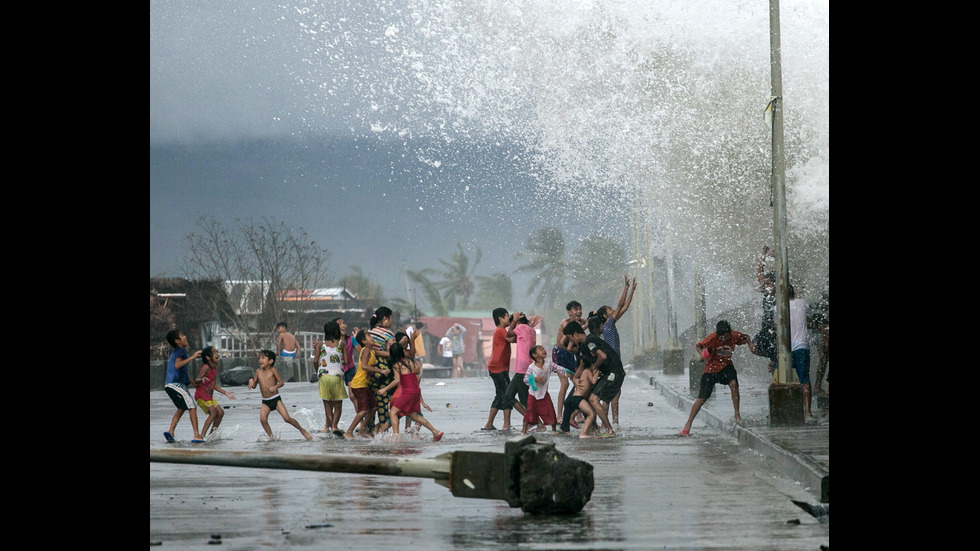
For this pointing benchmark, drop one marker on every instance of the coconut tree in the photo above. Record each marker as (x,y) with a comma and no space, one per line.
(457,280)
(495,290)
(430,290)
(548,263)
(601,281)
(361,285)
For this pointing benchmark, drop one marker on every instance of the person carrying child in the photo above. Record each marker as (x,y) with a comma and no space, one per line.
(540,409)
(269,381)
(409,401)
(176,385)
(207,383)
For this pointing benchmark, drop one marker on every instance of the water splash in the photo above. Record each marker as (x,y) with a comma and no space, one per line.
(656,108)
(309,419)
(223,433)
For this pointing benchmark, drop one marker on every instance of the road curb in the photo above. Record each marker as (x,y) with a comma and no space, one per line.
(794,465)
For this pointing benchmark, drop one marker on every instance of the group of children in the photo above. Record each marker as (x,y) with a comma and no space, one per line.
(382,384)
(378,371)
(589,366)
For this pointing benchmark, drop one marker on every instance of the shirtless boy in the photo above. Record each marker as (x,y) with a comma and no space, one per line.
(286,343)
(582,383)
(269,382)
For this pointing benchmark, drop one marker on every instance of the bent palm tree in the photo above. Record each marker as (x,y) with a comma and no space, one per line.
(549,265)
(457,279)
(602,281)
(497,289)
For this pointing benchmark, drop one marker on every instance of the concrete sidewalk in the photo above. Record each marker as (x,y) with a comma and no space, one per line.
(800,452)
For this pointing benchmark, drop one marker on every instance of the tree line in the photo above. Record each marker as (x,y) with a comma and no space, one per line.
(279,260)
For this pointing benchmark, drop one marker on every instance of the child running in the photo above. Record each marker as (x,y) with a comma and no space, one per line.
(207,383)
(540,409)
(364,400)
(176,385)
(269,382)
(409,400)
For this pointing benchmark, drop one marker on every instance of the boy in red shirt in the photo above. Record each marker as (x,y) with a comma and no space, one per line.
(717,349)
(499,368)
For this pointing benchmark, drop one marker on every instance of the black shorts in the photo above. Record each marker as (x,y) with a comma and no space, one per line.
(500,383)
(516,388)
(272,403)
(608,386)
(723,377)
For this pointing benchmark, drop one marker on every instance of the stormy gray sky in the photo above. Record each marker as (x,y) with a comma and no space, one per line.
(480,123)
(264,109)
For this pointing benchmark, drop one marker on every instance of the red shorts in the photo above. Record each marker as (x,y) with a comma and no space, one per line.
(543,410)
(364,399)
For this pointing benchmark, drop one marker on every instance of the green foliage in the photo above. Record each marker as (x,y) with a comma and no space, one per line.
(549,264)
(495,290)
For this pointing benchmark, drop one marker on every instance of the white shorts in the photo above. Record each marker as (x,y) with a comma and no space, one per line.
(180,396)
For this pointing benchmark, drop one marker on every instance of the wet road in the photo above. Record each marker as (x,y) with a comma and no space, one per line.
(653,489)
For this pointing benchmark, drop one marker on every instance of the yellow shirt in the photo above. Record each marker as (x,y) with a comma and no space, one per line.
(362,376)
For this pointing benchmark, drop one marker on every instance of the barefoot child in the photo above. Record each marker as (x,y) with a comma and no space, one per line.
(361,392)
(269,382)
(409,400)
(717,349)
(176,385)
(330,376)
(207,383)
(582,383)
(540,409)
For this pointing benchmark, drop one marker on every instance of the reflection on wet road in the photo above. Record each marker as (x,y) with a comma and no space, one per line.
(653,489)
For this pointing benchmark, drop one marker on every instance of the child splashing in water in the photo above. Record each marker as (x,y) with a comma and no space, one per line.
(409,401)
(207,383)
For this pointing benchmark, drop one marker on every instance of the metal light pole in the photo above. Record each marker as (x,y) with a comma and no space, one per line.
(784,401)
(533,476)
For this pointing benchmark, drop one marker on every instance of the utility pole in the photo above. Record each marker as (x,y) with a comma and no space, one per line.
(785,400)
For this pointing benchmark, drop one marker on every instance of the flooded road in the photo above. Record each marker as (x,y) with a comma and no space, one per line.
(653,489)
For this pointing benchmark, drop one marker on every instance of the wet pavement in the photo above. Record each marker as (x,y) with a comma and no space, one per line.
(718,488)
(801,452)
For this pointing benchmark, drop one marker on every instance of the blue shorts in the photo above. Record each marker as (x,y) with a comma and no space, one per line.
(801,363)
(288,354)
(567,360)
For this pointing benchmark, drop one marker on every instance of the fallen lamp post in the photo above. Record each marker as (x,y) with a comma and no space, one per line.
(533,476)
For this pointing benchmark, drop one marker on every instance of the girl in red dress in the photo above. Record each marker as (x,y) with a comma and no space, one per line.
(409,401)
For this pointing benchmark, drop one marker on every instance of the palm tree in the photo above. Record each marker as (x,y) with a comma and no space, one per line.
(429,289)
(457,279)
(602,280)
(495,290)
(361,285)
(548,263)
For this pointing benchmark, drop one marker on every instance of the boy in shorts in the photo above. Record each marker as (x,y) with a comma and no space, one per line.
(176,385)
(602,356)
(582,383)
(269,382)
(716,349)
